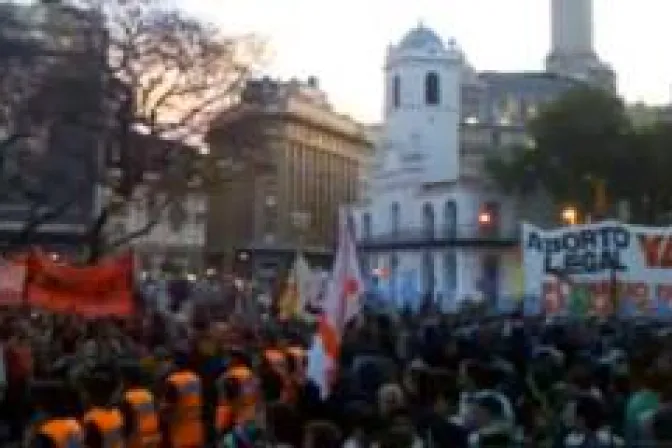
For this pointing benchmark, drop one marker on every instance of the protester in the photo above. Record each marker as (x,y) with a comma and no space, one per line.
(423,380)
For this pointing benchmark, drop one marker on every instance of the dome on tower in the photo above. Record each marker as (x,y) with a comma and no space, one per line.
(420,38)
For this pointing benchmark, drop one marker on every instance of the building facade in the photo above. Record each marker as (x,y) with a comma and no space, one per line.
(171,240)
(298,162)
(156,194)
(431,223)
(434,223)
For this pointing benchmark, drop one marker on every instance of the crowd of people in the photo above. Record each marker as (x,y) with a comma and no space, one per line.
(403,380)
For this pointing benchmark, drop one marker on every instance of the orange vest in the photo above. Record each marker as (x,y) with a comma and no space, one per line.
(243,408)
(146,420)
(187,429)
(278,361)
(110,424)
(298,356)
(62,432)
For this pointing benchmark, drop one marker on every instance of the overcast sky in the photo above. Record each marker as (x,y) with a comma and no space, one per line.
(343,42)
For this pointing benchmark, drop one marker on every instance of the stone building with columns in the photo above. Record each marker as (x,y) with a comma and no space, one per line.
(308,161)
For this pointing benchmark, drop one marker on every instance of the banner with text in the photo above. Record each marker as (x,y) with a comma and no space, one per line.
(599,268)
(100,290)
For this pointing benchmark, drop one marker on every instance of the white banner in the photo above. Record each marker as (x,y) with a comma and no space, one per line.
(608,258)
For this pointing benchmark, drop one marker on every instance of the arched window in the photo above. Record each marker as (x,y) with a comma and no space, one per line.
(450,219)
(490,280)
(393,276)
(428,220)
(350,223)
(432,89)
(366,226)
(450,273)
(395,217)
(428,273)
(365,266)
(396,91)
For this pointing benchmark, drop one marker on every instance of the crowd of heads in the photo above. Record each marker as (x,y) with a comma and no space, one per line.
(402,380)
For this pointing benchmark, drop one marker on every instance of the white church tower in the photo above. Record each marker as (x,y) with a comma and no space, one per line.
(429,229)
(422,111)
(572,44)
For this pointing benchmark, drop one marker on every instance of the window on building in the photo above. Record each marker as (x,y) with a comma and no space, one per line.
(365,265)
(396,91)
(394,275)
(450,219)
(450,273)
(395,217)
(428,273)
(366,226)
(177,217)
(432,89)
(490,280)
(428,220)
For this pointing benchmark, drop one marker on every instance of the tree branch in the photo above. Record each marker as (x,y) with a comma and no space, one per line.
(36,220)
(144,230)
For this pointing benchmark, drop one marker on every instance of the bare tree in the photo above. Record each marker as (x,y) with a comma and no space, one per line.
(162,77)
(178,73)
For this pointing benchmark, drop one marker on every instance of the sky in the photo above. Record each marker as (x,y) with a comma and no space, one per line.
(343,42)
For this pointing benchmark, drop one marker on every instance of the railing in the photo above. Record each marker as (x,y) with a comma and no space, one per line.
(445,235)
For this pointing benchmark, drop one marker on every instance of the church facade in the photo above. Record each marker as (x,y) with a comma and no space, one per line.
(433,226)
(433,223)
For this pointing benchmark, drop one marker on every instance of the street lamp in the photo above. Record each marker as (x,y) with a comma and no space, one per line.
(484,218)
(570,216)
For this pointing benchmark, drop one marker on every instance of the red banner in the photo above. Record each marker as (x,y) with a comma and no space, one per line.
(92,291)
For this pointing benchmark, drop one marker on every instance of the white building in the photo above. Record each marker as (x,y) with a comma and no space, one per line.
(169,237)
(431,224)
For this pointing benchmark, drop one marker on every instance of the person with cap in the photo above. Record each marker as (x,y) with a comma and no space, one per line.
(54,423)
(182,406)
(141,421)
(103,422)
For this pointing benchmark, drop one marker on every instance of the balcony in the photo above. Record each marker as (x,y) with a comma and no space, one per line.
(460,236)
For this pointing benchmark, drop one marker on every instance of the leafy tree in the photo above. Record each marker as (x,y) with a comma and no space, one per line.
(158,79)
(577,142)
(643,173)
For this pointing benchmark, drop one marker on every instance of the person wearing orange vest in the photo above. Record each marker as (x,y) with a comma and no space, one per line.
(141,420)
(274,376)
(296,370)
(103,423)
(236,418)
(237,399)
(182,408)
(55,427)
